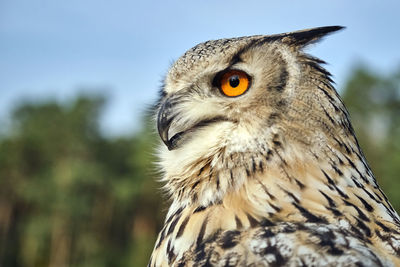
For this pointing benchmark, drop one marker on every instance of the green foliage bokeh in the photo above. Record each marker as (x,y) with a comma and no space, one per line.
(69,196)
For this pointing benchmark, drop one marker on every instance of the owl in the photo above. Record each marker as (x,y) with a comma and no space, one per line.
(262,164)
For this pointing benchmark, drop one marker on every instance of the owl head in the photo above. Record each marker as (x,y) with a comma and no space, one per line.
(228,98)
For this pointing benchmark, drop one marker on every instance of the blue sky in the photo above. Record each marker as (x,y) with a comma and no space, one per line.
(55,49)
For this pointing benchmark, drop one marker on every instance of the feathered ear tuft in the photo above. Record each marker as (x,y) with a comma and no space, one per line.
(308,36)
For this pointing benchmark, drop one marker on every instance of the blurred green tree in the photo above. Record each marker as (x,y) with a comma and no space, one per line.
(69,196)
(373,101)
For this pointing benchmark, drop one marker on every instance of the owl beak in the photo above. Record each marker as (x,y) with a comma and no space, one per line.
(166,116)
(164,120)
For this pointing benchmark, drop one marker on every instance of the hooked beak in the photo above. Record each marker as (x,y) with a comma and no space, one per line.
(164,120)
(166,117)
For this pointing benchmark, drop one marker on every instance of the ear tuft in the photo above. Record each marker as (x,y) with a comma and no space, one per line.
(308,36)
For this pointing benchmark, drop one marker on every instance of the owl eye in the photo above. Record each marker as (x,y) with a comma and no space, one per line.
(234,83)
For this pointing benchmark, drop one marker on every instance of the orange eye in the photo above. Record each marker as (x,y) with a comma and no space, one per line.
(234,83)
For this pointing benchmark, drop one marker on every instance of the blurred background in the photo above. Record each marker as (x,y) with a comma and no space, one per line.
(77,182)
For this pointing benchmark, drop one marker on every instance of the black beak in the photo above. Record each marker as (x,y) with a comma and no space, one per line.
(166,115)
(164,120)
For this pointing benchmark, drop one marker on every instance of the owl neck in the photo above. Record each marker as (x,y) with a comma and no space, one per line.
(286,181)
(328,182)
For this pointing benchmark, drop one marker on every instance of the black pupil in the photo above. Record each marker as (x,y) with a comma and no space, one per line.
(234,81)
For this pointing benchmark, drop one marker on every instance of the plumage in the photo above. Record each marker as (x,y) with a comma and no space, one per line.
(272,176)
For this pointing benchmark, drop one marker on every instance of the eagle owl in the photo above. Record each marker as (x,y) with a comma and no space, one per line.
(262,163)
